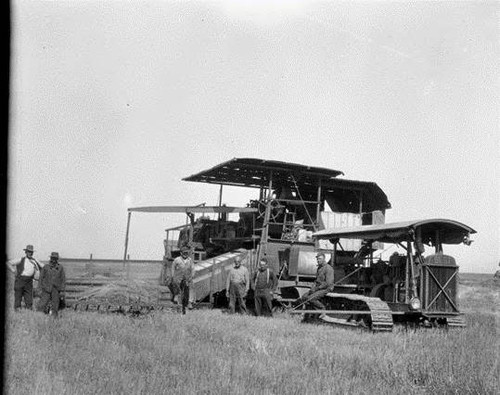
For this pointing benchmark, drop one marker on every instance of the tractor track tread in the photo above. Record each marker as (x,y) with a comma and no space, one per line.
(381,315)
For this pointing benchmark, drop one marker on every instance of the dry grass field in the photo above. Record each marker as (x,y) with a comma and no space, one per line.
(211,352)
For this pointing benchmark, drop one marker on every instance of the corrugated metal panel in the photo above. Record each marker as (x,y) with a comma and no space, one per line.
(341,220)
(378,217)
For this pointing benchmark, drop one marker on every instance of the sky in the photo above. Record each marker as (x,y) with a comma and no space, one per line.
(114,102)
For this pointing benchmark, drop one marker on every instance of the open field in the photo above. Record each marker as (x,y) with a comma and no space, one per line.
(210,352)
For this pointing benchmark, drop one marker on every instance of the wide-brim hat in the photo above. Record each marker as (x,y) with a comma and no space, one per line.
(29,248)
(54,255)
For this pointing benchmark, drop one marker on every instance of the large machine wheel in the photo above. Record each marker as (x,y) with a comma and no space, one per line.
(276,210)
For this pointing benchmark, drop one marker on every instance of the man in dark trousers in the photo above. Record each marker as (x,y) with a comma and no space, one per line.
(52,284)
(321,286)
(237,285)
(265,283)
(26,269)
(182,277)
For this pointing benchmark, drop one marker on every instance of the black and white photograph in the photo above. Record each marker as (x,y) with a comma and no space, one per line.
(252,197)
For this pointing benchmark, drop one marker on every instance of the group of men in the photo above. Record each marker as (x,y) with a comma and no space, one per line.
(179,278)
(51,281)
(264,283)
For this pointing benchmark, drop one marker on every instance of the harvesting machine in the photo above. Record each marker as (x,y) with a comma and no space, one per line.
(295,212)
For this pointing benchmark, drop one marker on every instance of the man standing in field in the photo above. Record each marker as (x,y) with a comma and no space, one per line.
(26,269)
(237,285)
(182,277)
(53,285)
(265,283)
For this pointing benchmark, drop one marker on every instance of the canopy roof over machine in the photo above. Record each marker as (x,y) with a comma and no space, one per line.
(342,195)
(433,231)
(193,209)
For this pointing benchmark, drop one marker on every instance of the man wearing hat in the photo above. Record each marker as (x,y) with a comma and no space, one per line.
(26,269)
(264,285)
(322,284)
(182,278)
(53,284)
(237,286)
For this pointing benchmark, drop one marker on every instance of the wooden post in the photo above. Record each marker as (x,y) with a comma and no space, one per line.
(318,208)
(407,273)
(334,256)
(126,240)
(267,216)
(371,254)
(438,246)
(125,255)
(167,245)
(212,278)
(190,241)
(220,202)
(361,206)
(412,271)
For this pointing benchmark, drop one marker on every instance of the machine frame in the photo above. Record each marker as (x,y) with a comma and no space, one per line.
(424,289)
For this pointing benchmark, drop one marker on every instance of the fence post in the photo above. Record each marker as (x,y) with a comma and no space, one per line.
(211,298)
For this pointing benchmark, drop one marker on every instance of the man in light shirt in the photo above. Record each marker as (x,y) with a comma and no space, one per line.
(182,278)
(237,286)
(26,269)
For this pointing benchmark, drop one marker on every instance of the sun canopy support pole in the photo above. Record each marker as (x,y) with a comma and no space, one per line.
(438,246)
(334,252)
(361,205)
(412,271)
(318,208)
(220,201)
(126,239)
(125,261)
